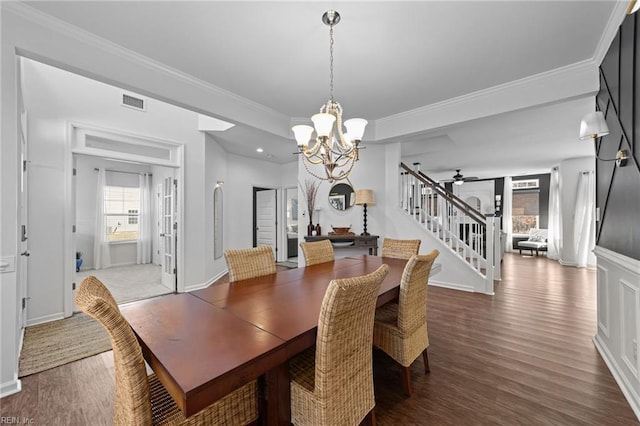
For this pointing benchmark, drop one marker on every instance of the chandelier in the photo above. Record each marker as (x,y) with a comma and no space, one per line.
(336,150)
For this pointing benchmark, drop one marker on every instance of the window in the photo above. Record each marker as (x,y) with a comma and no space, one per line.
(122,212)
(525,206)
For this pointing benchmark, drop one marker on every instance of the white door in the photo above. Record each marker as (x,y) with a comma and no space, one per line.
(168,235)
(24,216)
(158,249)
(266,219)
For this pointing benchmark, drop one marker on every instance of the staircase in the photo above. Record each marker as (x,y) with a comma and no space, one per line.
(472,236)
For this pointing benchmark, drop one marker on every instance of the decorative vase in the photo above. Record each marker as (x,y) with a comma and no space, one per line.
(310,229)
(318,229)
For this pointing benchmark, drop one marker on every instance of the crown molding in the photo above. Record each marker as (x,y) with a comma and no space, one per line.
(515,84)
(57,25)
(610,30)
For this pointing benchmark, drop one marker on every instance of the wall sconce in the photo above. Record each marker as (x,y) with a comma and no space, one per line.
(593,125)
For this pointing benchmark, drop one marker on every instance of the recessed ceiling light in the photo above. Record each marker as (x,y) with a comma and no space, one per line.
(259,150)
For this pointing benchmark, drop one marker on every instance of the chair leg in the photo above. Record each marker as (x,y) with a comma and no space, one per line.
(406,380)
(425,358)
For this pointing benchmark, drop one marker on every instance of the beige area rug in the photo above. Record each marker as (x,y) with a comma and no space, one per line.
(129,283)
(60,342)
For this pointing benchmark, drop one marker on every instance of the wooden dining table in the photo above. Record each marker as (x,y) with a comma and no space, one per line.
(204,344)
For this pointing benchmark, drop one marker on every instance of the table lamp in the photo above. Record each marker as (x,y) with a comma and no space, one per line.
(365,197)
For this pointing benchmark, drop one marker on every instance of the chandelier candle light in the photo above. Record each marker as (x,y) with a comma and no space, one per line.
(336,150)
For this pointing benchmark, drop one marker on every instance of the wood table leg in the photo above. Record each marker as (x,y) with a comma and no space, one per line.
(278,396)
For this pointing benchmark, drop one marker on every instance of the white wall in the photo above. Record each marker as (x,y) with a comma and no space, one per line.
(483,190)
(366,174)
(217,169)
(242,175)
(10,322)
(569,171)
(77,99)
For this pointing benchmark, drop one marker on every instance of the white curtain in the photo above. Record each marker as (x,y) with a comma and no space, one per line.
(101,249)
(554,236)
(144,221)
(507,212)
(584,226)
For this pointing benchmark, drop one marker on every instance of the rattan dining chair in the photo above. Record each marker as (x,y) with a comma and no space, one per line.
(142,399)
(400,249)
(317,252)
(250,263)
(332,383)
(400,329)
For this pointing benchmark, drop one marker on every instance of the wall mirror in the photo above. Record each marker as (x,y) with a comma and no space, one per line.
(341,196)
(217,222)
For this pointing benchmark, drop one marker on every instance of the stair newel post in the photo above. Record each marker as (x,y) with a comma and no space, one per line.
(490,264)
(497,249)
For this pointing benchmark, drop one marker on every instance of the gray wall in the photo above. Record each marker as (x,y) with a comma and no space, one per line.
(618,189)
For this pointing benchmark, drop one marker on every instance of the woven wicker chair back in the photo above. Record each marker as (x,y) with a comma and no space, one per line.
(412,303)
(94,286)
(400,249)
(317,252)
(344,374)
(132,404)
(250,263)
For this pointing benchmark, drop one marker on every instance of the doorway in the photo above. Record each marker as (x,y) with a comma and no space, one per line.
(265,223)
(136,258)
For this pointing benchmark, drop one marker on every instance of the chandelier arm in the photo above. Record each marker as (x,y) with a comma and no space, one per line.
(347,153)
(313,150)
(315,160)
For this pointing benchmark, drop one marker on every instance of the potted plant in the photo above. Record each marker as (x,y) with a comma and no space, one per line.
(78,260)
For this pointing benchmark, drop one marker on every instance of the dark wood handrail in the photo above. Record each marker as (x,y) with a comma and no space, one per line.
(456,201)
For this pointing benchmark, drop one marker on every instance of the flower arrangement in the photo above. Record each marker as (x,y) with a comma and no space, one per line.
(310,191)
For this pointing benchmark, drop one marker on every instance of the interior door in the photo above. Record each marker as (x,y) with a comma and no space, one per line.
(168,235)
(266,224)
(157,237)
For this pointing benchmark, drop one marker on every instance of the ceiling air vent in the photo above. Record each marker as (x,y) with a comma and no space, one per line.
(134,102)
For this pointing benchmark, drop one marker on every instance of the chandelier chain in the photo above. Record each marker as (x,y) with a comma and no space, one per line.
(331,61)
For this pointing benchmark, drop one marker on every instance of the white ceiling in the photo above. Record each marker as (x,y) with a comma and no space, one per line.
(390,58)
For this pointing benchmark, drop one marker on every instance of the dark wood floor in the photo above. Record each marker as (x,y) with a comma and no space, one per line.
(522,357)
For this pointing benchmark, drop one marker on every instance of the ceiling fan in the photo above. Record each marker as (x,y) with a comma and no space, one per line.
(459,179)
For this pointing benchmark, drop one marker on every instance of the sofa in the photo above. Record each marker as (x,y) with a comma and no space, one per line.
(537,241)
(292,240)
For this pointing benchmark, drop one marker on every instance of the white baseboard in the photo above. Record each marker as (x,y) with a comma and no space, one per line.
(9,388)
(453,286)
(45,318)
(206,283)
(626,388)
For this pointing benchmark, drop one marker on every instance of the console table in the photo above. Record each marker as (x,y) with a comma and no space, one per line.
(359,241)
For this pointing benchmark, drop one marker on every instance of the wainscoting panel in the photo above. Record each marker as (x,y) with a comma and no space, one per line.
(628,317)
(604,315)
(618,332)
